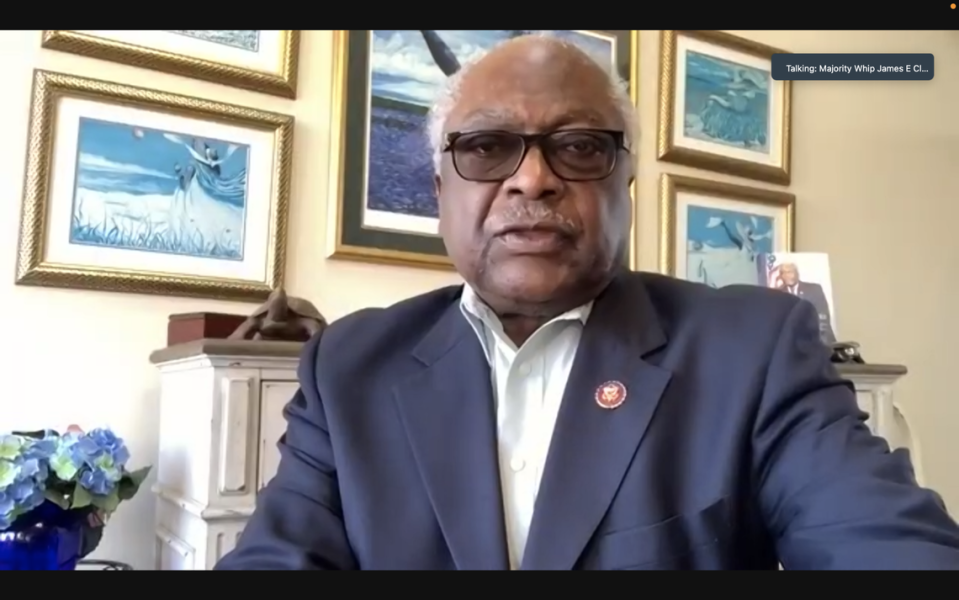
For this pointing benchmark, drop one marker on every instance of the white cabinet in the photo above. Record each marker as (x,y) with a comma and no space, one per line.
(221,414)
(221,406)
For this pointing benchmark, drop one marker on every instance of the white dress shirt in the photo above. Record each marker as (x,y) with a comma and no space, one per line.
(528,384)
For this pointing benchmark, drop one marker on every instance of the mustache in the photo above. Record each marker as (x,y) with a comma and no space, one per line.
(533,216)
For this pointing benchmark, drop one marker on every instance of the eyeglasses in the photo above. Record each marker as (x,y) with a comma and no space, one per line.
(572,154)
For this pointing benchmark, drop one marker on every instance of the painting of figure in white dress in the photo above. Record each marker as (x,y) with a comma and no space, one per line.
(145,189)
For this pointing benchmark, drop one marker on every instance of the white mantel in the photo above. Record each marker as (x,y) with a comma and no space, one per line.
(221,415)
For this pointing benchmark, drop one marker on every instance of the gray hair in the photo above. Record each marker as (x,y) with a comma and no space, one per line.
(449,93)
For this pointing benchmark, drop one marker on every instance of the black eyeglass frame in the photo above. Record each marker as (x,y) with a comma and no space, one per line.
(533,139)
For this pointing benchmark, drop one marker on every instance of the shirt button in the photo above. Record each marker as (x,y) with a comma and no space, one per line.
(517,464)
(524,369)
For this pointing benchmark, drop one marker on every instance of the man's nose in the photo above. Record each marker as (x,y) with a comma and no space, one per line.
(534,179)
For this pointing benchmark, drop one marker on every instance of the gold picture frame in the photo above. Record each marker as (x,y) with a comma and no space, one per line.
(740,57)
(50,255)
(280,80)
(768,214)
(357,238)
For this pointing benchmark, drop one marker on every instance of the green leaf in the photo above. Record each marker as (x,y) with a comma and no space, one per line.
(81,497)
(139,475)
(107,503)
(58,498)
(130,484)
(126,490)
(37,435)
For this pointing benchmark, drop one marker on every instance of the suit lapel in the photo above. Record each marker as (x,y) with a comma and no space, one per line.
(591,446)
(449,415)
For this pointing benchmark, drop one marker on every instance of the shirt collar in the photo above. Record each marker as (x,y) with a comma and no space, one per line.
(474,308)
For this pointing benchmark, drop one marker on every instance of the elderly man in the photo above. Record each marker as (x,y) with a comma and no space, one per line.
(810,292)
(559,412)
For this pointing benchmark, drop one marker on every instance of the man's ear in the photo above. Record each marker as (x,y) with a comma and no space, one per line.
(437,185)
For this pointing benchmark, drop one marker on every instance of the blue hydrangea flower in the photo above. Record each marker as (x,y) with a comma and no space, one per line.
(97,481)
(95,459)
(104,443)
(43,448)
(7,507)
(8,473)
(67,459)
(22,476)
(10,446)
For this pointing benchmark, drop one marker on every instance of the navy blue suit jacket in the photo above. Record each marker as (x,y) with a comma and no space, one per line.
(738,446)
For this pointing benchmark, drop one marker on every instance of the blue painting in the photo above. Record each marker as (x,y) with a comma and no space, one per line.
(244,39)
(723,246)
(727,103)
(407,69)
(144,189)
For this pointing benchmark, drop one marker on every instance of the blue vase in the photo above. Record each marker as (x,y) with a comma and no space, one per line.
(39,546)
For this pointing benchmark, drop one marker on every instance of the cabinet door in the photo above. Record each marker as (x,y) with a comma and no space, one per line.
(274,395)
(867,404)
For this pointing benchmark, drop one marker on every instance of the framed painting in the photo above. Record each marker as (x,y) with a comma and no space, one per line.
(715,233)
(719,107)
(133,190)
(384,83)
(252,59)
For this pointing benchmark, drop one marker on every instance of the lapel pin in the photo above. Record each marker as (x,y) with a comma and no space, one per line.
(611,394)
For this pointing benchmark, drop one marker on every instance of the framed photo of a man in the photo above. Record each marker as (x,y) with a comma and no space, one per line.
(805,274)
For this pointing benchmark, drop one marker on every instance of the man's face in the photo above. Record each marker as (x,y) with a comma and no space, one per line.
(534,237)
(790,274)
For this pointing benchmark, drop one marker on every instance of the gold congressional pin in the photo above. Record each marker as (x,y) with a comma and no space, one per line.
(611,394)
